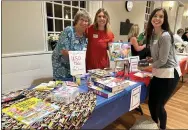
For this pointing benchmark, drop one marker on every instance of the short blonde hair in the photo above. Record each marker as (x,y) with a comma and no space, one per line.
(107,26)
(83,14)
(134,31)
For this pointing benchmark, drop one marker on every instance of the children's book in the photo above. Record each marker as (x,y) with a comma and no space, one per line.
(104,93)
(65,94)
(119,50)
(99,73)
(111,84)
(12,96)
(30,110)
(72,84)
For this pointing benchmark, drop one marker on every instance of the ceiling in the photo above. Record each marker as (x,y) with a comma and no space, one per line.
(184,1)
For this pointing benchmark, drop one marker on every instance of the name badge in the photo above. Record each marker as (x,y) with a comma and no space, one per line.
(95,35)
(155,42)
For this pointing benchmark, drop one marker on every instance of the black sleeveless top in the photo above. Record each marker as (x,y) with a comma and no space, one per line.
(133,51)
(142,54)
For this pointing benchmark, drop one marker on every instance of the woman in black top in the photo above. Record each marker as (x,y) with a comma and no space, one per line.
(136,50)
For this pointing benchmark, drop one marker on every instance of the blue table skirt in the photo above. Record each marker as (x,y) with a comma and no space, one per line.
(108,110)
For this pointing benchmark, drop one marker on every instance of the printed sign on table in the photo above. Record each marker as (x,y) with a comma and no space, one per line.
(77,62)
(133,60)
(135,98)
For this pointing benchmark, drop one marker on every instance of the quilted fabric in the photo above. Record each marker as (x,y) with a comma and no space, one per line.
(70,116)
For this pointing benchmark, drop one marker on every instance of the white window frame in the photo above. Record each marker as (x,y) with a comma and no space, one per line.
(63,19)
(150,7)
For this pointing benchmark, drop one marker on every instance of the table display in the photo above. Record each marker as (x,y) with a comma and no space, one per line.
(70,116)
(75,115)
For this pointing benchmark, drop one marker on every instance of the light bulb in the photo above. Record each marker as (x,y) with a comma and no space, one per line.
(171,4)
(66,16)
(186,14)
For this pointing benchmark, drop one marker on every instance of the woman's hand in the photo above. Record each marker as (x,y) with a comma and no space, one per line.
(65,52)
(149,59)
(135,44)
(145,68)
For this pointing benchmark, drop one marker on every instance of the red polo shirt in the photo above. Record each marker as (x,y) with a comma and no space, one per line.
(96,54)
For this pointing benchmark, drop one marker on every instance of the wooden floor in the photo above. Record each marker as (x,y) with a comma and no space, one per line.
(177,111)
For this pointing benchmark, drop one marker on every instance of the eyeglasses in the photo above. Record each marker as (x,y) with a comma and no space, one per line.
(84,20)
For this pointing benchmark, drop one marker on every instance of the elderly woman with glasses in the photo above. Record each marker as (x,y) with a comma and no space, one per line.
(71,39)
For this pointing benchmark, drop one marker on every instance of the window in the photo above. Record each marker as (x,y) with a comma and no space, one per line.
(149,9)
(60,14)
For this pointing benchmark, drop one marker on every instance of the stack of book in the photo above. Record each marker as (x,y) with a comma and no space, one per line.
(99,73)
(109,86)
(96,74)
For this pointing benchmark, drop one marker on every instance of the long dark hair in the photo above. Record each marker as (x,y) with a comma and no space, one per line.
(165,26)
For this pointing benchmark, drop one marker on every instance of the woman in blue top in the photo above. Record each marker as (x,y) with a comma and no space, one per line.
(71,39)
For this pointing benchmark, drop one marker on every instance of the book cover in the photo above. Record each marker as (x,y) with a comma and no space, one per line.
(30,110)
(99,73)
(43,87)
(104,93)
(111,84)
(119,50)
(69,83)
(12,96)
(66,90)
(65,94)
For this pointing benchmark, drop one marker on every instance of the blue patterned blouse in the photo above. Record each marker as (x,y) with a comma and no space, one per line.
(68,41)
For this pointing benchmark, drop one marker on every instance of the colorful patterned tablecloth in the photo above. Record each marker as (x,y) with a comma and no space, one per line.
(106,110)
(70,116)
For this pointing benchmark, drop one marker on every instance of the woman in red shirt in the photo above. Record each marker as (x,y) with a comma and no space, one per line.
(99,36)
